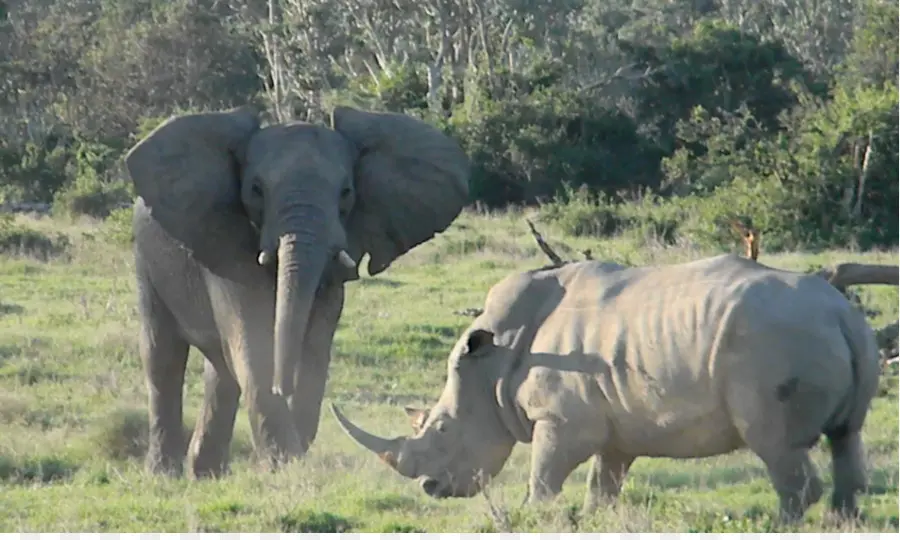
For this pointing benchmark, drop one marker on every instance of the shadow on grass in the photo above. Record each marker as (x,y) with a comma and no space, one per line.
(124,435)
(389,501)
(11,309)
(379,282)
(22,241)
(41,469)
(305,521)
(30,374)
(882,482)
(9,351)
(712,478)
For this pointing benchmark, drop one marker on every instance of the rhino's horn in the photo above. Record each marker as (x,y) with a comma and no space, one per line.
(386,449)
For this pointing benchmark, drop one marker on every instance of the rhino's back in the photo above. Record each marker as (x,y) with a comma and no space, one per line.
(649,348)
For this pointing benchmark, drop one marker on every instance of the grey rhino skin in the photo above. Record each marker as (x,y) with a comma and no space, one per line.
(681,361)
(244,238)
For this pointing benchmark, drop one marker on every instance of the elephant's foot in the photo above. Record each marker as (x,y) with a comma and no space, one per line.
(206,460)
(275,436)
(162,463)
(305,415)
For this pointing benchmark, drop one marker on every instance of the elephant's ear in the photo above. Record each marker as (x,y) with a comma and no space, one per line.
(412,181)
(187,171)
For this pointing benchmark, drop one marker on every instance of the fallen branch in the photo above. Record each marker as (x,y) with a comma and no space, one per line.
(548,251)
(843,275)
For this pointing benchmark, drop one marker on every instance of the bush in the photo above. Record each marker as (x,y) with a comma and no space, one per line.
(91,197)
(17,239)
(582,213)
(124,434)
(34,171)
(117,227)
(528,148)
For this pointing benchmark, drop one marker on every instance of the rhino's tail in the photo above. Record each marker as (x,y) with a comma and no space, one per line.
(864,362)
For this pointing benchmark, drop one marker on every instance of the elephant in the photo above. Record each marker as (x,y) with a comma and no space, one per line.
(244,236)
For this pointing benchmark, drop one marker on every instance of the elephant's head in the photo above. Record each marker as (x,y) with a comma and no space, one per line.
(376,183)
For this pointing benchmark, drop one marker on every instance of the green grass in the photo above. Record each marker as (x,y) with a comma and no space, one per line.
(72,406)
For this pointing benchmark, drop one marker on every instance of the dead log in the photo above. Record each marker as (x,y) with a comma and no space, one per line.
(548,251)
(843,275)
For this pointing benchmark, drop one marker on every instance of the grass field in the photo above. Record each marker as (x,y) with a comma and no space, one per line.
(72,398)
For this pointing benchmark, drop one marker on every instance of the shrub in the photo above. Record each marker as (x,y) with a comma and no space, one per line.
(89,196)
(17,239)
(117,227)
(582,213)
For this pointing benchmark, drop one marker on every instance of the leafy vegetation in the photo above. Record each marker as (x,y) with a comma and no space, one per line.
(662,110)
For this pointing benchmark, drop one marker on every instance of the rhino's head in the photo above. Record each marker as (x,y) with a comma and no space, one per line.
(460,442)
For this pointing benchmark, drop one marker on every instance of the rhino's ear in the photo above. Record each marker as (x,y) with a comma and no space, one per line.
(417,417)
(478,342)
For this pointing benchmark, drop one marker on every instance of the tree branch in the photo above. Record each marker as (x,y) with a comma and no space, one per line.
(548,251)
(843,275)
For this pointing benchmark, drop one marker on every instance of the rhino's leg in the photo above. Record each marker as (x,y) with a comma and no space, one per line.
(605,479)
(780,425)
(557,449)
(849,472)
(796,481)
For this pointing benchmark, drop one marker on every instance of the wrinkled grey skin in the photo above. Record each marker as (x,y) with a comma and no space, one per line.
(682,361)
(244,238)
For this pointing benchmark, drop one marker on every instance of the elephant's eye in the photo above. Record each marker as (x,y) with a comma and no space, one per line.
(256,190)
(345,193)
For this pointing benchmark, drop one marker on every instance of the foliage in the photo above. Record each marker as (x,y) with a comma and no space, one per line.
(19,239)
(118,228)
(689,108)
(716,67)
(89,194)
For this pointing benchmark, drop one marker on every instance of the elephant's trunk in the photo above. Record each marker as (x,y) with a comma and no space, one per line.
(302,254)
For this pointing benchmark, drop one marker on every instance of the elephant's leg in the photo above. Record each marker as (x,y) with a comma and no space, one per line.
(164,355)
(306,403)
(209,449)
(245,318)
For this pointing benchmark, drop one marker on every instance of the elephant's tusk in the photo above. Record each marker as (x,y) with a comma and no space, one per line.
(265,258)
(346,259)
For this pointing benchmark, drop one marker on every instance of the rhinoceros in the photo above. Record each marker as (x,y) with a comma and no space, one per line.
(690,360)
